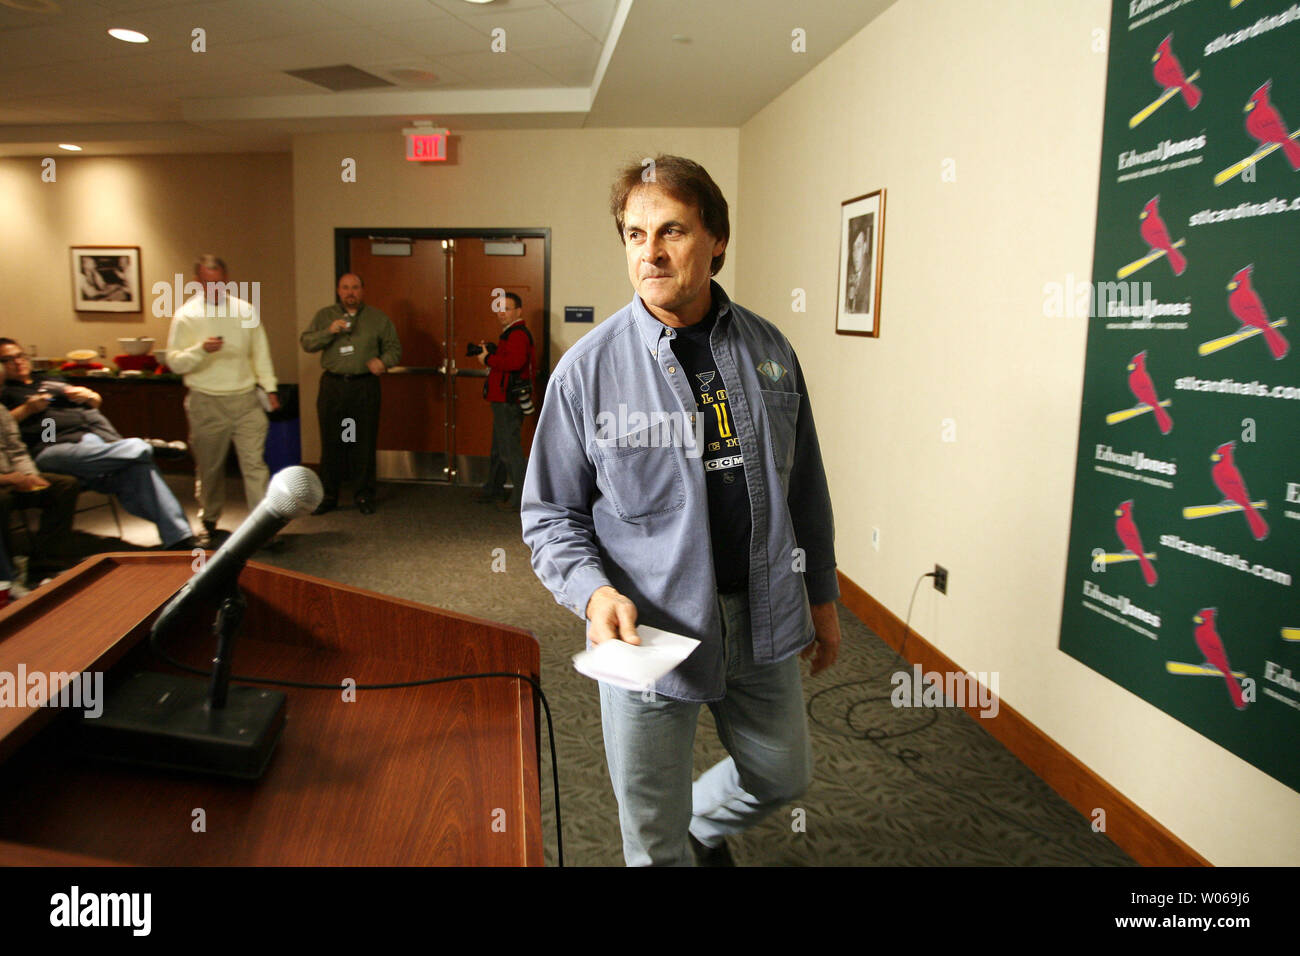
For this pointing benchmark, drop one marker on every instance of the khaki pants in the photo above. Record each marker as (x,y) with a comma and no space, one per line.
(215,421)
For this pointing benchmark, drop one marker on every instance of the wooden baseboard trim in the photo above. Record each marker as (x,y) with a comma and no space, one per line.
(1130,827)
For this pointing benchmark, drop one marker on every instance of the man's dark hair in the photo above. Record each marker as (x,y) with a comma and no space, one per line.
(519,303)
(208,261)
(683,179)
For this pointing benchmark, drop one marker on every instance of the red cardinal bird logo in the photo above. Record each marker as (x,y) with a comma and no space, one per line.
(1127,530)
(1144,390)
(1155,235)
(1245,304)
(1265,124)
(1169,73)
(1230,483)
(1211,645)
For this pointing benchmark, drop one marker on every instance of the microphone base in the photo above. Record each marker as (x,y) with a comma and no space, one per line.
(166,721)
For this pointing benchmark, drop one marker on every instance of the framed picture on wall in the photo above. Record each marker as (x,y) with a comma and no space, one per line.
(862,249)
(106,278)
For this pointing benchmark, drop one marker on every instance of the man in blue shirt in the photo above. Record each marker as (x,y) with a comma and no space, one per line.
(676,480)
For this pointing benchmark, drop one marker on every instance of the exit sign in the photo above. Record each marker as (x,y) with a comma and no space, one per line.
(426,146)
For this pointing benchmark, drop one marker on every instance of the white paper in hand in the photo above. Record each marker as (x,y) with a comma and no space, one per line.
(633,666)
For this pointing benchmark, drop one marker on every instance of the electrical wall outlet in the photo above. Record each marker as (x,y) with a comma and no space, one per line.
(875,538)
(941,579)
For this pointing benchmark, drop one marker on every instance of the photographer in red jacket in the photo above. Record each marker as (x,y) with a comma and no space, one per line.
(510,362)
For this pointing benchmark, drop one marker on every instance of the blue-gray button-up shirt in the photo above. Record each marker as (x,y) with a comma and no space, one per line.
(615,491)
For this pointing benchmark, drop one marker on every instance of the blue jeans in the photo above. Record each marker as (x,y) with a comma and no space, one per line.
(123,468)
(649,743)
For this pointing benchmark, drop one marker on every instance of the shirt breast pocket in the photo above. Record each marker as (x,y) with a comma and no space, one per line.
(640,475)
(782,417)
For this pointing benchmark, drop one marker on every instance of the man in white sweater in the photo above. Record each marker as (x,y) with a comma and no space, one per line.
(218,344)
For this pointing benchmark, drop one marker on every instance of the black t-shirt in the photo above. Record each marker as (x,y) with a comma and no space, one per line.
(71,420)
(724,465)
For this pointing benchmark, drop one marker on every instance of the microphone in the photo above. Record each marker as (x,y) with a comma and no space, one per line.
(165,720)
(293,492)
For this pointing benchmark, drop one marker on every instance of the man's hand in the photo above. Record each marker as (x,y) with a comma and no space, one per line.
(339,325)
(212,344)
(376,366)
(612,617)
(483,357)
(826,640)
(273,400)
(35,403)
(81,395)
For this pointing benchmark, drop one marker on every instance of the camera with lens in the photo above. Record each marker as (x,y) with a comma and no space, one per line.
(473,348)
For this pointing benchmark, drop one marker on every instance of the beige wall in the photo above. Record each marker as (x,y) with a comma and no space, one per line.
(172,207)
(501,179)
(1013,93)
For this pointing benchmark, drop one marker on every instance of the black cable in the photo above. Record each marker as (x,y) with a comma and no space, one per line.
(877,735)
(304,685)
(869,679)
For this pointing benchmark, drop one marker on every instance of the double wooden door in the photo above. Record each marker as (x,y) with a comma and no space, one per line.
(439,291)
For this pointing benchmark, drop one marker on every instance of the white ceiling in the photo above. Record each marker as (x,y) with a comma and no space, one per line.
(567,63)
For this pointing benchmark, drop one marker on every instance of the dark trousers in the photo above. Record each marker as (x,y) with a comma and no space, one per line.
(507,459)
(349,430)
(58,505)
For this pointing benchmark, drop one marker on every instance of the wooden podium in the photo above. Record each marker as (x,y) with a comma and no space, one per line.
(445,774)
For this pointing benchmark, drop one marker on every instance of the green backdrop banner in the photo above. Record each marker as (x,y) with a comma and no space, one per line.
(1180,581)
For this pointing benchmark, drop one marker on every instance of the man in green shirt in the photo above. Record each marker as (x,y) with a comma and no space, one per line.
(357,343)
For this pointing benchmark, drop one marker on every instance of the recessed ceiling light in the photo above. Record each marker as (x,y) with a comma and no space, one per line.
(70,147)
(681,38)
(130,36)
(478,1)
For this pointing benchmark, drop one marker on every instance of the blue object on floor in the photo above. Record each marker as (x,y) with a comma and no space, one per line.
(283,445)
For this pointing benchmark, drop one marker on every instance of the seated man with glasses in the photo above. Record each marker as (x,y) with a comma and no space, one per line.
(66,433)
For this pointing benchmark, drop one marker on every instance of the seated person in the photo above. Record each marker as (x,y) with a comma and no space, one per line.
(10,588)
(66,433)
(22,486)
(7,590)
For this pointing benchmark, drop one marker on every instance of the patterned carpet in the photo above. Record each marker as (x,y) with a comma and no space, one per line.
(891,787)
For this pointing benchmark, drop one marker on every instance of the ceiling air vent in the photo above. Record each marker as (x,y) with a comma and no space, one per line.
(339,78)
